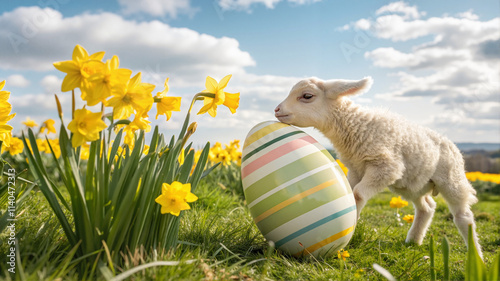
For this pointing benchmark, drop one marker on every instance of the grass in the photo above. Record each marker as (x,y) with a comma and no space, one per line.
(221,242)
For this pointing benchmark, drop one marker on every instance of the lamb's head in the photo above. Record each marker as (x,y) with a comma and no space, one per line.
(311,100)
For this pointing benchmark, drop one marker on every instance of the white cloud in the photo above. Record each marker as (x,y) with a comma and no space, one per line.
(247,4)
(17,80)
(408,12)
(51,84)
(146,45)
(456,69)
(171,8)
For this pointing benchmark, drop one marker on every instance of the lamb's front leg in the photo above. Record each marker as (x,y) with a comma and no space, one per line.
(374,180)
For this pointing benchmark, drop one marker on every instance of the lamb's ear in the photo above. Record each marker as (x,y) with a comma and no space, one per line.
(338,88)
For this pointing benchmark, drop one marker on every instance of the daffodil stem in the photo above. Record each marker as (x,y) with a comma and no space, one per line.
(198,96)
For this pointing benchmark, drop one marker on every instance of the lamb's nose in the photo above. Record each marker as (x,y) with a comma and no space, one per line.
(277,109)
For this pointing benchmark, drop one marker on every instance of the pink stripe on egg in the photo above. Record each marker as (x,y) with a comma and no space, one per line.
(277,153)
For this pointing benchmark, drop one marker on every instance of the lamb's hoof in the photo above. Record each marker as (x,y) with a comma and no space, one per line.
(411,243)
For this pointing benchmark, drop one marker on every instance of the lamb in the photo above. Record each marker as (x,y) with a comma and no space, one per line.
(381,150)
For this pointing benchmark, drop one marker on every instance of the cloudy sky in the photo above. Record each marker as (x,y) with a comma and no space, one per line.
(437,63)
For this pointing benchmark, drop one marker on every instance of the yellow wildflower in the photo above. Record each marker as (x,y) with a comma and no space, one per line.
(221,97)
(30,123)
(175,198)
(214,151)
(408,218)
(165,105)
(145,150)
(86,126)
(54,143)
(398,202)
(474,176)
(16,146)
(49,126)
(224,157)
(79,68)
(137,96)
(342,166)
(342,254)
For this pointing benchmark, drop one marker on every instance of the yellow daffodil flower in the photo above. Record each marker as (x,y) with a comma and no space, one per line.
(342,254)
(224,157)
(175,197)
(79,68)
(5,134)
(137,96)
(165,105)
(398,202)
(129,138)
(49,126)
(85,126)
(16,146)
(221,97)
(110,80)
(84,151)
(5,116)
(141,122)
(145,149)
(30,123)
(408,218)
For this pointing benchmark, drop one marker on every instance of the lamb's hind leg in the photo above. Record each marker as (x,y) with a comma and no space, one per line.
(424,210)
(459,201)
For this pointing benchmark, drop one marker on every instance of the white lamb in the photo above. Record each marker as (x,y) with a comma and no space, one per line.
(383,150)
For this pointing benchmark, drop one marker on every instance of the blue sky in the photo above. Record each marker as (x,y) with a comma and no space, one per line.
(435,63)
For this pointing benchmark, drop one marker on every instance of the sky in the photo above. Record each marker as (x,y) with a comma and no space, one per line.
(436,63)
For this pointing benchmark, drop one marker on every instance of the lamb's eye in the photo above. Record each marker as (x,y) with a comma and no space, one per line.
(307,96)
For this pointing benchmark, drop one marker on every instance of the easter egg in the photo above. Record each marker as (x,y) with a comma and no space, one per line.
(296,192)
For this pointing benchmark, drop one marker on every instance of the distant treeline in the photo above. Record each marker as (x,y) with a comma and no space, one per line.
(482,161)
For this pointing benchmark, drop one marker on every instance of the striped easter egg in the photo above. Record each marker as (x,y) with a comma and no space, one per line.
(297,194)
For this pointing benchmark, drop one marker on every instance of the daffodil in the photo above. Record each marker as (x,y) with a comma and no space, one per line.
(223,157)
(5,134)
(214,152)
(342,254)
(16,146)
(220,97)
(30,123)
(49,126)
(408,218)
(79,68)
(5,116)
(175,197)
(86,126)
(165,105)
(141,122)
(397,202)
(342,166)
(137,96)
(106,82)
(84,151)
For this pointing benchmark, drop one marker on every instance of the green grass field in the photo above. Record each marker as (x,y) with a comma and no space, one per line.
(219,241)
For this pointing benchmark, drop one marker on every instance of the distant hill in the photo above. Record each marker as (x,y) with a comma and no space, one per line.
(468,146)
